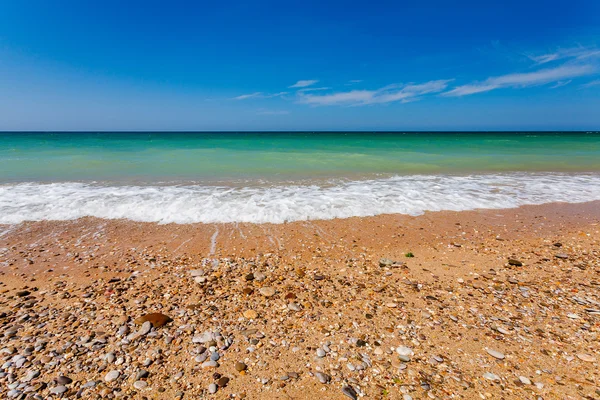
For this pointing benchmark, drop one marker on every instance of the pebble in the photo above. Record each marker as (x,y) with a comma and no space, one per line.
(140,385)
(64,380)
(212,388)
(322,377)
(250,314)
(495,354)
(491,377)
(58,389)
(294,307)
(156,319)
(321,353)
(267,291)
(112,376)
(223,381)
(586,357)
(240,366)
(524,380)
(349,391)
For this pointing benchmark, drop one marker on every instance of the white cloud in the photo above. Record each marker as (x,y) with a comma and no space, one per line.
(304,83)
(577,53)
(248,96)
(387,94)
(259,95)
(560,84)
(539,77)
(313,89)
(591,84)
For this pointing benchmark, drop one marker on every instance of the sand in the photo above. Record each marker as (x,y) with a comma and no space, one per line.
(304,302)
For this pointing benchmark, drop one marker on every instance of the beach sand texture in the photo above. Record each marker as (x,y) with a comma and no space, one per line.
(494,304)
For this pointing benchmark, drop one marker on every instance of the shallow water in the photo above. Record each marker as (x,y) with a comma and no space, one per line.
(277,177)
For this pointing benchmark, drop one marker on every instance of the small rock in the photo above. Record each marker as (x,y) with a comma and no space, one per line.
(240,366)
(524,380)
(58,389)
(250,314)
(223,381)
(64,380)
(212,388)
(156,319)
(322,377)
(516,263)
(495,354)
(140,385)
(491,377)
(267,291)
(349,391)
(586,357)
(112,376)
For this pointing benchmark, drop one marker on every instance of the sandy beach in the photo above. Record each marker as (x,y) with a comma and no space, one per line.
(492,304)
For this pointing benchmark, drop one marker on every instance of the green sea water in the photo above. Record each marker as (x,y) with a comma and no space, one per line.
(223,156)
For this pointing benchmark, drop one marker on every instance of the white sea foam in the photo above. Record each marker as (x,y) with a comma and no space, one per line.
(279,203)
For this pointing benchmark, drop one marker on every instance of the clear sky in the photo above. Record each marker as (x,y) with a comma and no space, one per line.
(299,65)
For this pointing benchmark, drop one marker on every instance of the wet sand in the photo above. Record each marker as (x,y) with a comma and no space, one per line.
(299,303)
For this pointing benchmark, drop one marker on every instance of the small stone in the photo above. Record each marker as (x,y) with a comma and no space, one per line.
(294,307)
(320,353)
(23,293)
(323,378)
(64,380)
(140,385)
(349,391)
(491,377)
(562,256)
(156,319)
(58,389)
(141,374)
(404,351)
(495,354)
(250,314)
(240,366)
(223,381)
(259,277)
(524,380)
(267,291)
(212,388)
(516,263)
(586,357)
(31,375)
(112,376)
(385,262)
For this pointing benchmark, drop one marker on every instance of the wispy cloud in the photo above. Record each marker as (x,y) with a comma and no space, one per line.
(591,84)
(387,94)
(248,96)
(309,89)
(526,79)
(576,53)
(560,84)
(304,83)
(259,95)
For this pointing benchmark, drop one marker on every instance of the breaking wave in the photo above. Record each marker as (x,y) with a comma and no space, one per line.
(279,203)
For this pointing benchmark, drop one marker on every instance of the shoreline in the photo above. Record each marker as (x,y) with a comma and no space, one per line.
(307,301)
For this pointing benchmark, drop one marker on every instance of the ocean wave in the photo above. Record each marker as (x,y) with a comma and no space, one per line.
(279,203)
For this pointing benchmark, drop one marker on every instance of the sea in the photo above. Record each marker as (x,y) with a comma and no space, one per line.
(277,177)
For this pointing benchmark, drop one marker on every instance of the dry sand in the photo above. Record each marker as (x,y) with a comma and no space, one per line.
(303,303)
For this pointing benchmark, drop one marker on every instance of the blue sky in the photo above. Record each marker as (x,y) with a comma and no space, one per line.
(309,65)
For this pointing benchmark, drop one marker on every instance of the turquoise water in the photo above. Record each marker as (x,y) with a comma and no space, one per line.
(148,157)
(278,177)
